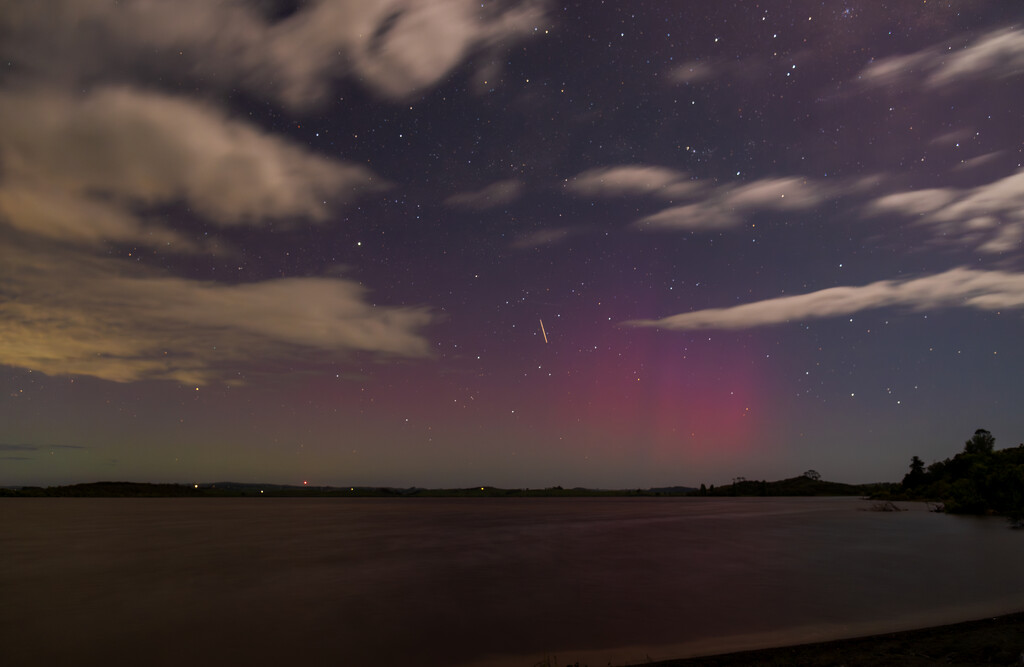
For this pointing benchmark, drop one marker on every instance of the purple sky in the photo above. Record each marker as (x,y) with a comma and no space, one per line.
(315,240)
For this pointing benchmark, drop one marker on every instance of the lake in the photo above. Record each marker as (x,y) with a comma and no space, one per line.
(479,581)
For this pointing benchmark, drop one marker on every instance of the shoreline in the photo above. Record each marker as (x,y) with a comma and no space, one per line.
(995,636)
(997,640)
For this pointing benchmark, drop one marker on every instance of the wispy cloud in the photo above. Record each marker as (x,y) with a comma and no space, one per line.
(496,194)
(694,71)
(65,313)
(989,217)
(979,161)
(704,206)
(957,288)
(397,48)
(21,452)
(627,180)
(547,237)
(730,205)
(996,55)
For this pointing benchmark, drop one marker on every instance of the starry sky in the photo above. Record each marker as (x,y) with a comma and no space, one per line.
(520,244)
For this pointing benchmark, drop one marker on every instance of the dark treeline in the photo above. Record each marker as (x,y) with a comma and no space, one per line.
(104,490)
(242,490)
(807,484)
(978,480)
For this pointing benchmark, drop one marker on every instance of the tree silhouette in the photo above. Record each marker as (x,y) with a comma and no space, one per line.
(916,475)
(978,480)
(981,442)
(812,474)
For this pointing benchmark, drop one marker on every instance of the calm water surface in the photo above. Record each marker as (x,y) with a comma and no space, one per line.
(478,581)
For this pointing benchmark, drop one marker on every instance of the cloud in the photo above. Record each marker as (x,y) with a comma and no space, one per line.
(896,69)
(957,288)
(38,208)
(633,180)
(989,216)
(1008,238)
(979,161)
(691,72)
(426,39)
(396,47)
(90,157)
(65,313)
(710,207)
(25,449)
(729,205)
(998,54)
(546,237)
(492,196)
(699,216)
(81,167)
(914,202)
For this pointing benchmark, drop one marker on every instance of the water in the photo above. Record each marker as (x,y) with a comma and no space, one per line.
(478,581)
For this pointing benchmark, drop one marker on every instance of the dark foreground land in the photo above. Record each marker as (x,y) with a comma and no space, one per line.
(994,641)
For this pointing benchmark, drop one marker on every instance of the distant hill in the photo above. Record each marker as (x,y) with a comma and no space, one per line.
(795,486)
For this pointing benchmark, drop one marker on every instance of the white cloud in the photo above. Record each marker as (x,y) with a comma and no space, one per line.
(895,69)
(961,287)
(396,47)
(782,194)
(70,314)
(729,205)
(133,148)
(998,54)
(79,218)
(699,216)
(430,37)
(914,202)
(633,180)
(959,216)
(494,195)
(1003,196)
(709,207)
(1009,237)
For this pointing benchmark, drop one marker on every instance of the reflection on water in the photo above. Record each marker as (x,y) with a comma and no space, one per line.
(442,582)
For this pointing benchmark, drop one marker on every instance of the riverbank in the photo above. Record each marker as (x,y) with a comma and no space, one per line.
(992,641)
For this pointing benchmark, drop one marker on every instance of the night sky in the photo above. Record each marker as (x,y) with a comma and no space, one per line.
(292,241)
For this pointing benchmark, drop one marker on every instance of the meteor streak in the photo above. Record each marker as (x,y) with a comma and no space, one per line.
(545,333)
